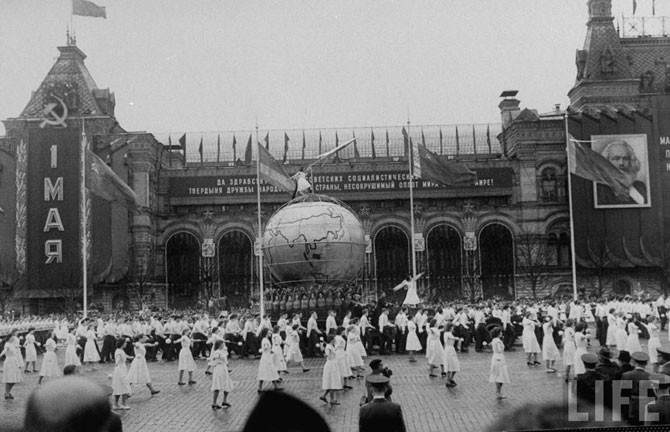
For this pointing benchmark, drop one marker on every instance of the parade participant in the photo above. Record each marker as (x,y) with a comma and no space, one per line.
(620,334)
(221,381)
(346,321)
(250,335)
(108,341)
(216,335)
(412,344)
(355,350)
(611,328)
(293,353)
(654,341)
(313,335)
(341,356)
(434,350)
(386,330)
(278,359)
(282,323)
(364,325)
(31,352)
(120,384)
(266,369)
(91,355)
(530,345)
(633,339)
(81,332)
(482,336)
(462,328)
(331,381)
(581,340)
(331,324)
(451,363)
(401,331)
(658,412)
(50,366)
(186,362)
(71,357)
(421,320)
(499,374)
(12,366)
(139,372)
(569,348)
(508,335)
(550,352)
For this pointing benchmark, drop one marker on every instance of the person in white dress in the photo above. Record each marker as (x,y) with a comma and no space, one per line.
(654,341)
(354,349)
(31,352)
(413,344)
(91,355)
(581,342)
(266,368)
(499,374)
(138,373)
(434,350)
(530,345)
(50,366)
(451,363)
(120,385)
(11,370)
(550,352)
(620,334)
(412,298)
(610,341)
(186,362)
(71,346)
(569,347)
(341,355)
(633,339)
(293,353)
(278,359)
(331,381)
(221,381)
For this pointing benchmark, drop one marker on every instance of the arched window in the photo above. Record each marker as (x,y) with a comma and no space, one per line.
(444,248)
(559,244)
(183,268)
(236,260)
(549,185)
(496,247)
(391,247)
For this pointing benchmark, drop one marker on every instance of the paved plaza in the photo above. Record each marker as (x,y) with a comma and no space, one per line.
(427,404)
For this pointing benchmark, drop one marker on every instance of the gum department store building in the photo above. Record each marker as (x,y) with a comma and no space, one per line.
(518,210)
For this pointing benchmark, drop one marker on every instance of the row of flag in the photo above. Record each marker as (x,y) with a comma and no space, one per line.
(356,153)
(653,7)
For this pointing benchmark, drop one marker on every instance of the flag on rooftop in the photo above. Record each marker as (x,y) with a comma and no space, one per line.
(439,170)
(105,183)
(272,171)
(247,152)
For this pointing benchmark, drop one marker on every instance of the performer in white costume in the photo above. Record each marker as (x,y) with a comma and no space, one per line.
(412,298)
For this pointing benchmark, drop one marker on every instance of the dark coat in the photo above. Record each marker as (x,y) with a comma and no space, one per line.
(381,416)
(662,407)
(635,416)
(608,369)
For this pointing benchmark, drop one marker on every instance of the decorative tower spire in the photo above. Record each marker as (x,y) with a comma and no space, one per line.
(599,9)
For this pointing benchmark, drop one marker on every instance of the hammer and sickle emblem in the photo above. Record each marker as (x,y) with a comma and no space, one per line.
(55,119)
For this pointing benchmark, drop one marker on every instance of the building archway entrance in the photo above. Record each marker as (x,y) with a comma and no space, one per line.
(496,247)
(444,250)
(236,267)
(183,269)
(391,247)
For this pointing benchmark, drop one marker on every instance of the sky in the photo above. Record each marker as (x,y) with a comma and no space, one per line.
(224,65)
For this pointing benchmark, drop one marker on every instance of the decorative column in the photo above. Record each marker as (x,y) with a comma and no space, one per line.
(472,270)
(209,269)
(367,278)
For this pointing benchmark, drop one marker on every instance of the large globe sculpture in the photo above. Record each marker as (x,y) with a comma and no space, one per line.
(314,239)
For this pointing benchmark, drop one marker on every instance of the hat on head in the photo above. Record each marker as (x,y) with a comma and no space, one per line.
(663,380)
(589,359)
(640,357)
(624,356)
(377,380)
(605,353)
(665,352)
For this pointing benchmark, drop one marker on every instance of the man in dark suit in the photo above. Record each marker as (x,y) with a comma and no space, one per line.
(380,415)
(663,360)
(587,385)
(658,412)
(606,367)
(639,391)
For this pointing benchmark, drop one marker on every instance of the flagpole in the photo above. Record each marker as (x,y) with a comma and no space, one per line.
(84,242)
(411,199)
(259,238)
(572,220)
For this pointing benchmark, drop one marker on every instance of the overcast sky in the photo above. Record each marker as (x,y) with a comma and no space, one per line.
(222,65)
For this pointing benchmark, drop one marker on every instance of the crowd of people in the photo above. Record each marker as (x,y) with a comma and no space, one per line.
(344,337)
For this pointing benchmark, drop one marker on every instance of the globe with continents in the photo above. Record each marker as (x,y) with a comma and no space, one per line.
(314,239)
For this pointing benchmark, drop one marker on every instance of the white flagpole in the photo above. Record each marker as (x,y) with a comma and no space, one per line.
(572,220)
(259,238)
(84,242)
(411,198)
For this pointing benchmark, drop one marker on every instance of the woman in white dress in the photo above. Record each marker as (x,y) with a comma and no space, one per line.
(221,381)
(654,341)
(413,344)
(569,347)
(278,359)
(581,341)
(293,353)
(620,334)
(499,374)
(91,355)
(186,362)
(50,366)
(12,366)
(451,363)
(530,345)
(434,350)
(353,350)
(139,372)
(120,384)
(611,328)
(633,339)
(550,351)
(31,352)
(266,368)
(331,381)
(71,357)
(341,356)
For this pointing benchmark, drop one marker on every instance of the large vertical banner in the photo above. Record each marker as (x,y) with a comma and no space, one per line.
(53,206)
(662,138)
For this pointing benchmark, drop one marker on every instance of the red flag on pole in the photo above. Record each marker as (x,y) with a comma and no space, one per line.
(272,171)
(439,170)
(247,152)
(200,151)
(372,144)
(286,140)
